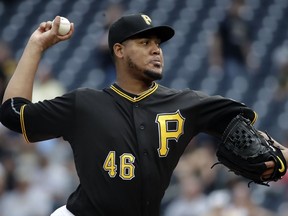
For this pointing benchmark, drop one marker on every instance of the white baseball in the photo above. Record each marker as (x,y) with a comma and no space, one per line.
(64,26)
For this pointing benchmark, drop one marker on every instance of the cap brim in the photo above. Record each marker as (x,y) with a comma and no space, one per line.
(164,33)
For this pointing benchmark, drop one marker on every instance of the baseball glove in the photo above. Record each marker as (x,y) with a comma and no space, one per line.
(244,151)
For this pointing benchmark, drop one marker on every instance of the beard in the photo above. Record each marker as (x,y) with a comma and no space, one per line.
(149,74)
(153,75)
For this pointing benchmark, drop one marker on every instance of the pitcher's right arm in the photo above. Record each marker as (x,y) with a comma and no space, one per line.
(45,36)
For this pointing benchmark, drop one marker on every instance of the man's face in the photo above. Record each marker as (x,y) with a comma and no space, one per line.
(144,58)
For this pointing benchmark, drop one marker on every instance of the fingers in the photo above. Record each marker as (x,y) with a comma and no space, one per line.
(270,164)
(47,34)
(267,173)
(45,26)
(270,169)
(50,25)
(53,27)
(56,23)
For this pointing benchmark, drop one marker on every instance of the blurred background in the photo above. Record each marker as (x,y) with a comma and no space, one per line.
(235,48)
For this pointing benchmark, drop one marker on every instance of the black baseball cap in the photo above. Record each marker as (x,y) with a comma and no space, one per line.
(130,26)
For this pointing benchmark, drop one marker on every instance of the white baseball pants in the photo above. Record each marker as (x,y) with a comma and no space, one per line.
(62,211)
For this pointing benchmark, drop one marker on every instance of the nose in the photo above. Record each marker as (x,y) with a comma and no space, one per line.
(156,49)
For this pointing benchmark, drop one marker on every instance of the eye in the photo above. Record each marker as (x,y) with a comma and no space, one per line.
(158,43)
(145,42)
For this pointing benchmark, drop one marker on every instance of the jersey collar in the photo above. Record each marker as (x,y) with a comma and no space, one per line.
(132,97)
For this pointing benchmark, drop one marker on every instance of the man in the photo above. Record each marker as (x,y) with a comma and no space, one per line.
(127,138)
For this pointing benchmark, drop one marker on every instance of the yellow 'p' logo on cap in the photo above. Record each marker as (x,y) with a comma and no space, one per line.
(147,19)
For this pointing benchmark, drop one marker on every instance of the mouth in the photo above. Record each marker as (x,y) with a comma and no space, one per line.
(156,63)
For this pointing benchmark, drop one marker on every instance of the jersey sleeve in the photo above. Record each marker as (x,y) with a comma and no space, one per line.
(40,121)
(216,112)
(10,113)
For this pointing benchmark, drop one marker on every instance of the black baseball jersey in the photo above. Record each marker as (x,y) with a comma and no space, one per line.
(125,146)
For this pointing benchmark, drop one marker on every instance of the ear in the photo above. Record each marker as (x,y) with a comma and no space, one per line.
(118,50)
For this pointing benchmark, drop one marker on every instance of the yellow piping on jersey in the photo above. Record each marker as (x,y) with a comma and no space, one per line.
(23,123)
(138,98)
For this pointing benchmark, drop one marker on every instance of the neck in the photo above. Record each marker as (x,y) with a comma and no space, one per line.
(136,87)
